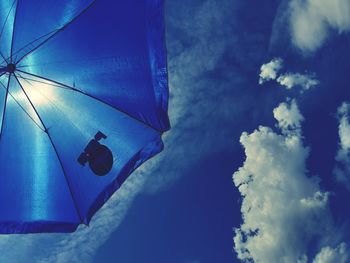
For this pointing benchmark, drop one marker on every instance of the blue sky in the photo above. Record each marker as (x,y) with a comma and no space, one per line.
(221,86)
(275,194)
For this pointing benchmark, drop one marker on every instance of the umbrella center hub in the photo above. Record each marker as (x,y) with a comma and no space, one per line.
(10,68)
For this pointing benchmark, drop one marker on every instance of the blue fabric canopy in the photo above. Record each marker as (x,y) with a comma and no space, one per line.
(83,103)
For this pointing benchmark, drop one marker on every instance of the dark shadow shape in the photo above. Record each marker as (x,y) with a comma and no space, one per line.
(99,156)
(11,68)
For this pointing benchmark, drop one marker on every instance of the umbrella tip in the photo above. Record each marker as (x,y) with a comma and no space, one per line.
(11,68)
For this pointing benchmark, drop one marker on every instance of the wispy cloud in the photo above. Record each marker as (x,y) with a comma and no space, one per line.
(340,254)
(81,245)
(284,210)
(194,91)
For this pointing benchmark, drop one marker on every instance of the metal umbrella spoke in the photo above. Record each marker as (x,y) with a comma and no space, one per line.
(68,62)
(13,30)
(4,107)
(3,28)
(42,82)
(54,148)
(7,17)
(32,42)
(65,86)
(2,74)
(19,104)
(3,58)
(58,30)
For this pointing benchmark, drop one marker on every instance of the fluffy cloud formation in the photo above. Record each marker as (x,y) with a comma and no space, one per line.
(270,71)
(312,20)
(339,254)
(342,170)
(288,117)
(283,209)
(290,80)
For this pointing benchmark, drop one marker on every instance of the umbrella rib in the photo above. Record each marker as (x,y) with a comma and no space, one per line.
(50,101)
(33,41)
(55,149)
(3,58)
(19,104)
(59,30)
(7,17)
(61,85)
(42,82)
(5,106)
(3,26)
(67,62)
(13,30)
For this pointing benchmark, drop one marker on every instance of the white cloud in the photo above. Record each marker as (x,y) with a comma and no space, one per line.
(344,126)
(291,80)
(283,209)
(312,20)
(320,199)
(269,70)
(340,254)
(288,117)
(342,169)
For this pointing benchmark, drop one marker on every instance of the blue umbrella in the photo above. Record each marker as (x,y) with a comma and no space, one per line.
(83,103)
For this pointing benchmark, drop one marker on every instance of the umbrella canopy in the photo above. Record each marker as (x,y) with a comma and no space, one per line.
(83,103)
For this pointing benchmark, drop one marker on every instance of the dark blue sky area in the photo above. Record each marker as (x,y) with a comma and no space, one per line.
(192,220)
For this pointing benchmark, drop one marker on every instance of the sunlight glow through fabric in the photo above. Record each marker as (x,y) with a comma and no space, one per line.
(83,103)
